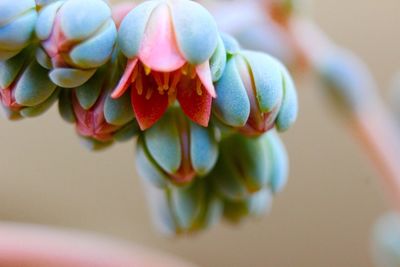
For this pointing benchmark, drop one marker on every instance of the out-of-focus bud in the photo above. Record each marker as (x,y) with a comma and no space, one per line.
(78,37)
(175,53)
(25,89)
(255,93)
(176,149)
(99,119)
(249,165)
(255,205)
(17,24)
(349,85)
(386,241)
(184,210)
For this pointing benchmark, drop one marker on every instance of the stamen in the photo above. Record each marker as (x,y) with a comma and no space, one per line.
(149,93)
(185,69)
(157,78)
(199,91)
(166,80)
(175,80)
(192,72)
(139,85)
(147,70)
(134,74)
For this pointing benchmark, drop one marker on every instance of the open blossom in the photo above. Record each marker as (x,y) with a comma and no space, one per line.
(176,150)
(255,94)
(25,89)
(77,37)
(170,44)
(17,25)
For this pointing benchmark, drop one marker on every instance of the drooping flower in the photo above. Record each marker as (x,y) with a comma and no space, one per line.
(249,165)
(25,89)
(184,210)
(170,46)
(77,37)
(255,93)
(17,24)
(99,119)
(176,149)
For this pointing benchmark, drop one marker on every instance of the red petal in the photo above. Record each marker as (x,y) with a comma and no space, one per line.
(148,111)
(196,107)
(125,80)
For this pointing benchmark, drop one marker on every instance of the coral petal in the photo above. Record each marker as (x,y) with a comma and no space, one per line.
(148,111)
(159,50)
(196,107)
(204,73)
(125,80)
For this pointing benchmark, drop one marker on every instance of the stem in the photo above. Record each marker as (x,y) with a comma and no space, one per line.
(27,246)
(377,131)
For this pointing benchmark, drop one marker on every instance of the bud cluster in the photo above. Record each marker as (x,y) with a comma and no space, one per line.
(203,110)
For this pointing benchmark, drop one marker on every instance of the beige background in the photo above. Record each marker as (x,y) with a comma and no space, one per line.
(323,218)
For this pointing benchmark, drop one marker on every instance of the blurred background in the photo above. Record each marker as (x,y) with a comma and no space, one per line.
(323,218)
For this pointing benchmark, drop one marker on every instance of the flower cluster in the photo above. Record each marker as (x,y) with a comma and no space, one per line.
(205,112)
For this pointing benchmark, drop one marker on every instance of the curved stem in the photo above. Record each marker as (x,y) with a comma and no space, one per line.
(27,245)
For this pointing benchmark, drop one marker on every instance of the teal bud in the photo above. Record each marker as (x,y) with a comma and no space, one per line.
(25,89)
(386,241)
(179,149)
(184,210)
(255,93)
(249,165)
(17,24)
(255,205)
(99,119)
(78,37)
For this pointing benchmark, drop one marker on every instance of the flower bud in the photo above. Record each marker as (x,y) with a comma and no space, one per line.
(25,89)
(255,205)
(175,149)
(184,210)
(17,24)
(255,93)
(249,165)
(78,37)
(175,53)
(99,119)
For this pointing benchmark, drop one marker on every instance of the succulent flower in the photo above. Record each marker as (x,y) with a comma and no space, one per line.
(170,46)
(99,119)
(176,149)
(77,37)
(17,24)
(253,165)
(255,93)
(386,241)
(184,210)
(25,89)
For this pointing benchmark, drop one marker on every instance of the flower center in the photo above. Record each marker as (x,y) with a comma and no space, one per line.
(148,82)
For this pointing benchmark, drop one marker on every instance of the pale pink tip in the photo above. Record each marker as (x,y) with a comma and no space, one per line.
(159,50)
(120,11)
(204,73)
(125,80)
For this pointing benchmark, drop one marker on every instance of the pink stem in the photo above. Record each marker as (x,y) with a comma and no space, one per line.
(27,245)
